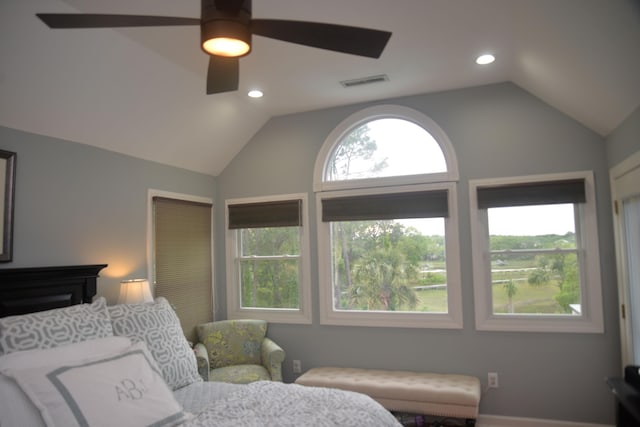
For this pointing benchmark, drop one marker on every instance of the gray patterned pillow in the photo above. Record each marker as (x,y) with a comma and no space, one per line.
(53,328)
(159,327)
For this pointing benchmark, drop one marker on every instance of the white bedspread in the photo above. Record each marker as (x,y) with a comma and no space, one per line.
(195,397)
(265,403)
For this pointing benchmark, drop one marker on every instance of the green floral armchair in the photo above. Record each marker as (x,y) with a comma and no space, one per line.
(237,351)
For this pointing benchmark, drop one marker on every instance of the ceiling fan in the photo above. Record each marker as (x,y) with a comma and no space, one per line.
(226,27)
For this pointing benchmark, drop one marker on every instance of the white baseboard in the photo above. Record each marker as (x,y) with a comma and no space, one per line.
(501,421)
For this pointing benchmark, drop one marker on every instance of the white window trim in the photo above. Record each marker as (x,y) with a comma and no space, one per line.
(301,315)
(591,319)
(450,320)
(384,112)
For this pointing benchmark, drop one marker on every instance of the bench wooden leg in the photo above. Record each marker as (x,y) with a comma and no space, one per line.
(470,422)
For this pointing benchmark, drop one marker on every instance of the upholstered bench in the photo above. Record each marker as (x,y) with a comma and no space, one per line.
(455,396)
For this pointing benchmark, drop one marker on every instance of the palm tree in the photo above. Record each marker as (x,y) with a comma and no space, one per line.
(381,280)
(511,289)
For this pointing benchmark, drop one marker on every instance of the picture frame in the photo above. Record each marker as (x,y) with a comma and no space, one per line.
(7,186)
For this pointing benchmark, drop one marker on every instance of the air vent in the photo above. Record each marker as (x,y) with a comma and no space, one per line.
(365,80)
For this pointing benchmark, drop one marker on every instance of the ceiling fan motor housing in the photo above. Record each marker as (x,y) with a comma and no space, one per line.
(226,18)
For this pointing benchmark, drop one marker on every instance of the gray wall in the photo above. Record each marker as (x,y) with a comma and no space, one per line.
(77,204)
(497,130)
(625,140)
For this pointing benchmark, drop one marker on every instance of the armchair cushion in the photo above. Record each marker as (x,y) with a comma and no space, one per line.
(233,342)
(240,374)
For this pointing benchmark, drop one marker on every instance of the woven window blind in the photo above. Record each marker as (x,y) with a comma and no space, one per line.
(420,204)
(532,193)
(281,213)
(183,257)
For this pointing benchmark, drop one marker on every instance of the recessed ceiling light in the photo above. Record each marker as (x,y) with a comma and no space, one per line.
(485,59)
(255,93)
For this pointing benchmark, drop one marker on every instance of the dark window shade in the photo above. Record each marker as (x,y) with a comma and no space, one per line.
(183,256)
(282,213)
(532,193)
(422,204)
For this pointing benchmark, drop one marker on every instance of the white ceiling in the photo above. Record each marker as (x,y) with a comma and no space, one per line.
(142,91)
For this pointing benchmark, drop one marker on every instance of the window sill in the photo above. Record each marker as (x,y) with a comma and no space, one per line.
(392,319)
(555,324)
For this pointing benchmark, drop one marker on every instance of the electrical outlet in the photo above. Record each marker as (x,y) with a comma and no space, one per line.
(297,366)
(492,379)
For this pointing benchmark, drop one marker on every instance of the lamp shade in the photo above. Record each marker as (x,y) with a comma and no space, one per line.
(134,291)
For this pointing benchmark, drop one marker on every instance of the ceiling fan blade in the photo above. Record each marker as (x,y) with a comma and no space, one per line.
(339,38)
(92,20)
(223,74)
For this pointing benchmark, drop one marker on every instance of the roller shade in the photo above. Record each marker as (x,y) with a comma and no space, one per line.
(282,213)
(183,257)
(532,193)
(422,204)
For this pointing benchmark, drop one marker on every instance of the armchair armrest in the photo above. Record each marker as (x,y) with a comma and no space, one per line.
(272,357)
(202,357)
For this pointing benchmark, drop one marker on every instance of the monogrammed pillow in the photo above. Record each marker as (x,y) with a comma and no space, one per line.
(53,328)
(16,409)
(157,325)
(122,389)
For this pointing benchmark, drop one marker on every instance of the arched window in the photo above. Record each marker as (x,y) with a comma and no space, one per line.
(385,182)
(385,147)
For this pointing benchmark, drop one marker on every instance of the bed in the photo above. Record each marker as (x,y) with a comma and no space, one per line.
(66,358)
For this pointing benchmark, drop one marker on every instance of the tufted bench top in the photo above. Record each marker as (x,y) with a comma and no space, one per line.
(418,392)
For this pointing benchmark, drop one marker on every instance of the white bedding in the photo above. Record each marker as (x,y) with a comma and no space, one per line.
(203,404)
(105,381)
(273,404)
(195,397)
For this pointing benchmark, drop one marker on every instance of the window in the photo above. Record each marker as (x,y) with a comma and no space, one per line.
(372,150)
(267,259)
(387,236)
(182,252)
(535,254)
(385,145)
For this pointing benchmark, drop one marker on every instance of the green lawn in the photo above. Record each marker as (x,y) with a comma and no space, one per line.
(432,300)
(528,299)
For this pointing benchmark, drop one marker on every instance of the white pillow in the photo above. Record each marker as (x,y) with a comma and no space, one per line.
(157,325)
(123,389)
(64,354)
(16,409)
(53,328)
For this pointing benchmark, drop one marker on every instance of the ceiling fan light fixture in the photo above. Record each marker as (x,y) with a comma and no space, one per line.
(485,59)
(224,46)
(226,38)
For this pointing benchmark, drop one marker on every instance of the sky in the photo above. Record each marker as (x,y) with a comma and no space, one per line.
(512,221)
(532,220)
(414,153)
(408,149)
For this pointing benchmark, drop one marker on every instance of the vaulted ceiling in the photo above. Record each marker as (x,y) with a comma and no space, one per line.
(141,91)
